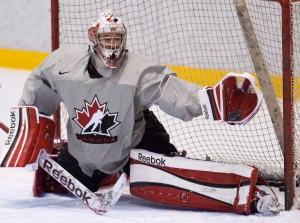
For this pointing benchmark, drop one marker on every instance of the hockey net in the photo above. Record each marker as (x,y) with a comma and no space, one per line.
(202,41)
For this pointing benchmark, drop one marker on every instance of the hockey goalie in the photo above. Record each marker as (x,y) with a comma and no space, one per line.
(108,92)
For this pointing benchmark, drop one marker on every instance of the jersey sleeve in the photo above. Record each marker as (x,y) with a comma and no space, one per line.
(173,95)
(39,89)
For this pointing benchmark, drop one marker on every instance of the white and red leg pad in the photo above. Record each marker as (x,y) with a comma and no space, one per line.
(29,132)
(180,181)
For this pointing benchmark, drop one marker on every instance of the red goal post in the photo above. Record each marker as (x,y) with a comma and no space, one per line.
(202,41)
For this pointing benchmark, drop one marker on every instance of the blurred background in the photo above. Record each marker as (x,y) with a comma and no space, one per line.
(25,29)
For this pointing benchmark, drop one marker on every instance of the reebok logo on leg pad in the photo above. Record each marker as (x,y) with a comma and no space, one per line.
(152,160)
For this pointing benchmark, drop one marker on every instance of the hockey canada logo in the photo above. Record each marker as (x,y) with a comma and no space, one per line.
(96,123)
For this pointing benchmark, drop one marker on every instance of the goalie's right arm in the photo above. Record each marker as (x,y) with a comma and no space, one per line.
(29,132)
(39,93)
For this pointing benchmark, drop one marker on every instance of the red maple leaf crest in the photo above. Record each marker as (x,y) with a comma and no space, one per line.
(84,116)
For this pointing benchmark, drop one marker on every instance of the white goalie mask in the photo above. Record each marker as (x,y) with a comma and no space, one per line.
(108,35)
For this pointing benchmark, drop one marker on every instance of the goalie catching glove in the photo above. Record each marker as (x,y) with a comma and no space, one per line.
(234,100)
(29,132)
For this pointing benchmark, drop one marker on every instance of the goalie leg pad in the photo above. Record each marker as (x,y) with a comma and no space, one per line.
(192,183)
(29,132)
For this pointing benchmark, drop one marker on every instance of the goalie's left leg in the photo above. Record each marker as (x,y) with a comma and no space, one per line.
(207,185)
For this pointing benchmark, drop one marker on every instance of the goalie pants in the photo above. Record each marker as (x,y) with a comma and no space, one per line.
(155,139)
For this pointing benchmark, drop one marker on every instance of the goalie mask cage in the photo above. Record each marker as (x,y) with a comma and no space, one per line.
(202,40)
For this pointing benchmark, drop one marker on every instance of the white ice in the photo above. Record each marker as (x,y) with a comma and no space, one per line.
(17,204)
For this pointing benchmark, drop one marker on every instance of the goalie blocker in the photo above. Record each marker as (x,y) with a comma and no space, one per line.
(29,132)
(206,185)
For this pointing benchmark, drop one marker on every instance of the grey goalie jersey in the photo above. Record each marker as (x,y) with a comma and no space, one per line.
(105,114)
